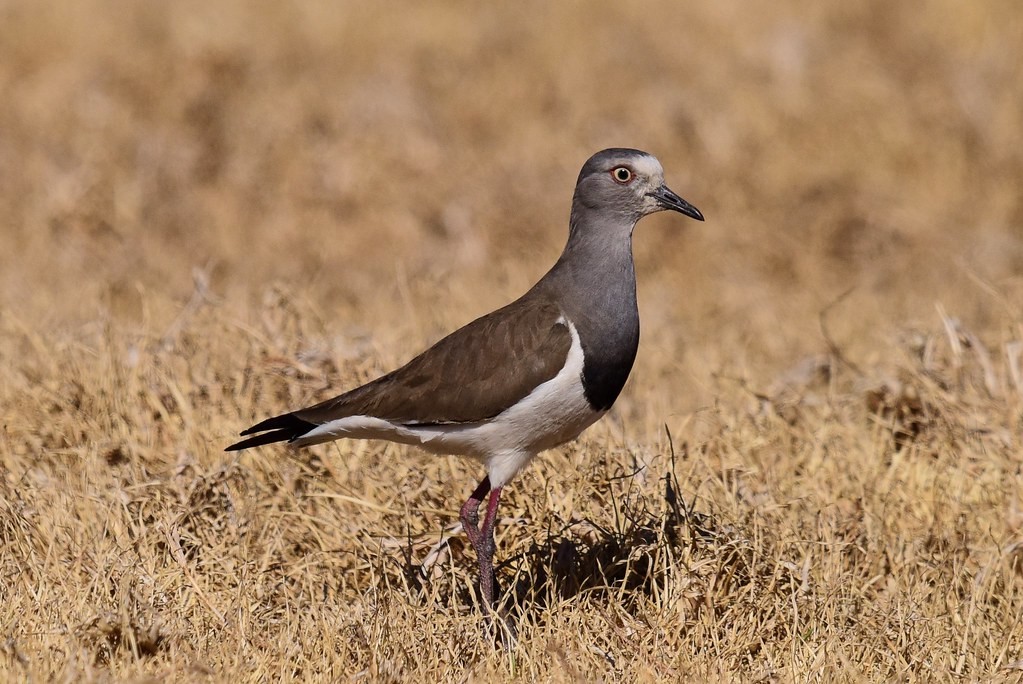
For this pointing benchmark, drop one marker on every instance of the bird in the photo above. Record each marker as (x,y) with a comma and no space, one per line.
(526,377)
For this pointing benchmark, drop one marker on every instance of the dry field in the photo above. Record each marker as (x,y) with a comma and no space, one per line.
(215,211)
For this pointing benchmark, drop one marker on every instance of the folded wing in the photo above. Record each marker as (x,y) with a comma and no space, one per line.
(469,376)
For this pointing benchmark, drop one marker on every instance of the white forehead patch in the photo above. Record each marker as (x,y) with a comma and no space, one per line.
(648,166)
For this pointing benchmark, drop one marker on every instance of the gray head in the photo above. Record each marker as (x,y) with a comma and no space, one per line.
(625,185)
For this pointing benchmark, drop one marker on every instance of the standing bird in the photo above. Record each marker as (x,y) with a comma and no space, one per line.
(527,377)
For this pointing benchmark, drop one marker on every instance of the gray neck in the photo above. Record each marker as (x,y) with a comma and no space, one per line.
(595,276)
(594,282)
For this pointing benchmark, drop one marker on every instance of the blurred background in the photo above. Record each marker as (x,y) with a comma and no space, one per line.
(399,168)
(215,211)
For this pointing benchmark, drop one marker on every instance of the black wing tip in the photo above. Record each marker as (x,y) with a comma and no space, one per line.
(283,428)
(285,421)
(260,440)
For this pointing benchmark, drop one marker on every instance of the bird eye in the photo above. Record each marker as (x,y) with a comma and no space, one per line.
(621,174)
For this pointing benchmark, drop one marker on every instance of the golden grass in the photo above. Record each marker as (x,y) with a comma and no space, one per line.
(213,212)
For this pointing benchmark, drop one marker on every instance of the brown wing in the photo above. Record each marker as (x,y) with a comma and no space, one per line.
(472,374)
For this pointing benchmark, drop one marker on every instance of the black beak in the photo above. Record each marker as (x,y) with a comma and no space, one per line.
(669,200)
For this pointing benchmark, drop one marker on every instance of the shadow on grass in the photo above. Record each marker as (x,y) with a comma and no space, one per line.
(652,541)
(655,546)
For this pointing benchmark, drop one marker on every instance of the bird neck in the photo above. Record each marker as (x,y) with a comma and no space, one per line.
(595,278)
(594,283)
(598,255)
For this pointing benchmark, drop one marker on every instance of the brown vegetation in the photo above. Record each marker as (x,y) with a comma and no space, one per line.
(211,211)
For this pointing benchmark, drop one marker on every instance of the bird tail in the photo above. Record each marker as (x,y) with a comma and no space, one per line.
(284,428)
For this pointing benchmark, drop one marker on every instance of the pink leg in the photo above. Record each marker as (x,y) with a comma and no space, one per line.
(482,538)
(470,516)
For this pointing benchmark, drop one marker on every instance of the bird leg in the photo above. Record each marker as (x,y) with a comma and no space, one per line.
(482,537)
(470,515)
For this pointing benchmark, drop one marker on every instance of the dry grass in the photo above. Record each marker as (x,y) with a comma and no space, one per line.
(212,212)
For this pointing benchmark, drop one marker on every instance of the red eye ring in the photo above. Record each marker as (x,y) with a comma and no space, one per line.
(622,175)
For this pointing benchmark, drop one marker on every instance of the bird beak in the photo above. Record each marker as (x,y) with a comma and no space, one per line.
(669,200)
